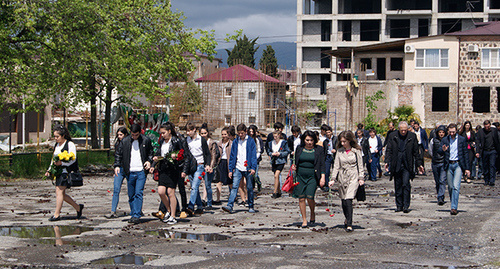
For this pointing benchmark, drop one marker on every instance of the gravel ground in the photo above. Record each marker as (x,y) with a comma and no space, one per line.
(426,237)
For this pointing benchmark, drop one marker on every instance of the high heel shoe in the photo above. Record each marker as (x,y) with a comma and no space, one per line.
(79,213)
(55,219)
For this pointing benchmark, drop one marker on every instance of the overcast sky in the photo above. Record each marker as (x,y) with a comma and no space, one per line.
(270,20)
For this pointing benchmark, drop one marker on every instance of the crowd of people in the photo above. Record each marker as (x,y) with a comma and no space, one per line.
(317,159)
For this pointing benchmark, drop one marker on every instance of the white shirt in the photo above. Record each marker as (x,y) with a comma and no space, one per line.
(276,146)
(224,153)
(242,154)
(359,143)
(135,158)
(322,138)
(257,145)
(296,142)
(195,148)
(419,139)
(373,143)
(71,148)
(330,145)
(165,147)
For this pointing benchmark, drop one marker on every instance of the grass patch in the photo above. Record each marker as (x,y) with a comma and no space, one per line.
(29,166)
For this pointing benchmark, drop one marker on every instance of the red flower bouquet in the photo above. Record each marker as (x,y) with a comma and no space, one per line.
(178,156)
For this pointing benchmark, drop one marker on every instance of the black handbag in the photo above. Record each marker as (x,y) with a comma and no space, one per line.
(361,193)
(75,179)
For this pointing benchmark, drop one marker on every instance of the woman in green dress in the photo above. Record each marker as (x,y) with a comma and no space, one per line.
(309,165)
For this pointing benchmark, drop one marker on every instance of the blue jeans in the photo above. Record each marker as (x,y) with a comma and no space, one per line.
(440,179)
(374,166)
(135,185)
(195,188)
(117,187)
(237,175)
(454,179)
(208,187)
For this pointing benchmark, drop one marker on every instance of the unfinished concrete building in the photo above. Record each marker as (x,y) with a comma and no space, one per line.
(323,25)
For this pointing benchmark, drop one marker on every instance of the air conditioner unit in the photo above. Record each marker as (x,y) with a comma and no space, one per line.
(409,49)
(251,114)
(251,90)
(473,48)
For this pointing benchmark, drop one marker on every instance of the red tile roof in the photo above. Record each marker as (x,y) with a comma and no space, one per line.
(238,73)
(484,28)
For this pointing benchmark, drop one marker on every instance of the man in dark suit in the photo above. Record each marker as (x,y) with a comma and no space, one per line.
(456,160)
(401,156)
(487,148)
(329,144)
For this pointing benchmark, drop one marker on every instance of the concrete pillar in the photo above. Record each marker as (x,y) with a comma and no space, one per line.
(434,21)
(356,31)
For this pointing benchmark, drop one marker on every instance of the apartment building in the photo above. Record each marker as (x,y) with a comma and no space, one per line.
(323,25)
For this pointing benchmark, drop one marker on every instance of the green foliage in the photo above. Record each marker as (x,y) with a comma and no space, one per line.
(370,120)
(402,113)
(322,106)
(268,62)
(243,52)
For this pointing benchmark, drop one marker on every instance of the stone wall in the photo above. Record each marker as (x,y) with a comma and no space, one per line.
(472,75)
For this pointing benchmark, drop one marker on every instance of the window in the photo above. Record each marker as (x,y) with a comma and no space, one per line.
(440,99)
(228,120)
(481,99)
(252,120)
(228,92)
(366,63)
(370,30)
(251,95)
(432,58)
(490,58)
(396,64)
(400,28)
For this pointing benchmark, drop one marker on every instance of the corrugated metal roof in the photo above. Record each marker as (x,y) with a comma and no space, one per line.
(238,73)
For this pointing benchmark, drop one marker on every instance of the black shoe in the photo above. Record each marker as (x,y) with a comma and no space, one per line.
(486,183)
(348,229)
(453,212)
(204,203)
(440,202)
(190,211)
(134,220)
(406,211)
(209,208)
(492,184)
(217,203)
(55,219)
(274,195)
(79,213)
(242,204)
(399,209)
(279,194)
(198,211)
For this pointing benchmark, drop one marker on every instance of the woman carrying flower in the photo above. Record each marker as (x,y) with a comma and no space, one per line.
(310,172)
(121,133)
(348,172)
(63,163)
(169,161)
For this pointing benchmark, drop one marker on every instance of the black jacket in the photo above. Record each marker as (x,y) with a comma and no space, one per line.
(334,145)
(177,144)
(463,155)
(207,157)
(319,160)
(471,140)
(365,147)
(411,151)
(387,136)
(480,140)
(123,152)
(437,154)
(270,137)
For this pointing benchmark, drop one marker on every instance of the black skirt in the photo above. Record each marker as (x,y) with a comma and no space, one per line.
(62,180)
(168,175)
(223,173)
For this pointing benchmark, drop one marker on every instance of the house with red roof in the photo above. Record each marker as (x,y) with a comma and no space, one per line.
(241,94)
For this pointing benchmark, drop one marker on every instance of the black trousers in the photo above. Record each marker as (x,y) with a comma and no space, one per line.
(182,192)
(402,189)
(347,209)
(489,169)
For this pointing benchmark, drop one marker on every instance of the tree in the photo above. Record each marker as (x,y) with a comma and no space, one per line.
(85,50)
(243,52)
(371,106)
(268,62)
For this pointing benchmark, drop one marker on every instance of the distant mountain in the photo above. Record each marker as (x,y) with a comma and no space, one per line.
(285,53)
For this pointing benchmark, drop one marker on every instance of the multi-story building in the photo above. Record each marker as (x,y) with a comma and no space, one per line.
(323,25)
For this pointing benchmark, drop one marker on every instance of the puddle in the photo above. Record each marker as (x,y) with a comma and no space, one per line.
(405,225)
(43,231)
(127,259)
(191,236)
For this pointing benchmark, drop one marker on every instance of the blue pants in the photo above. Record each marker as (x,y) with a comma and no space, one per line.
(374,166)
(135,185)
(440,179)
(328,167)
(117,187)
(195,188)
(454,179)
(237,175)
(489,168)
(209,177)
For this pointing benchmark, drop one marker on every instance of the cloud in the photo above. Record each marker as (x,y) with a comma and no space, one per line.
(268,27)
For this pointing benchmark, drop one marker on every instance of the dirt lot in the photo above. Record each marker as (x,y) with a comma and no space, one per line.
(428,236)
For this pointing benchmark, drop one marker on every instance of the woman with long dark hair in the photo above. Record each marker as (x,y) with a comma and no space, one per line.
(470,137)
(214,161)
(253,132)
(121,133)
(348,172)
(310,166)
(64,143)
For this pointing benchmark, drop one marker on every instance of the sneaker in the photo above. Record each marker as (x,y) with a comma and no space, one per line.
(183,215)
(134,220)
(158,215)
(453,212)
(348,229)
(242,204)
(440,202)
(251,210)
(111,215)
(170,220)
(227,209)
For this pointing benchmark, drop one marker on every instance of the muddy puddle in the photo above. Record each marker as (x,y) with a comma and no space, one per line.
(207,237)
(48,234)
(132,259)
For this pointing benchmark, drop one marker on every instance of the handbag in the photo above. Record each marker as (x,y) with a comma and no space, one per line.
(289,182)
(360,193)
(75,179)
(156,175)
